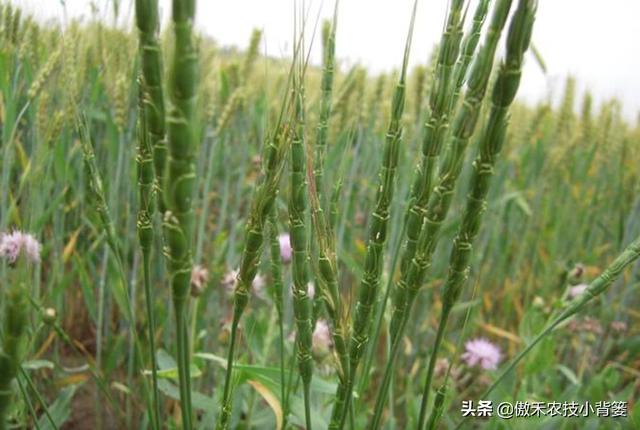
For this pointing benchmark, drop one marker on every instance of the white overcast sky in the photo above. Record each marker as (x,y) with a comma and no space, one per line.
(597,41)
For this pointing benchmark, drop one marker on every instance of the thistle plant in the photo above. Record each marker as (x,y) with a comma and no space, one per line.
(178,219)
(20,252)
(440,199)
(491,142)
(374,258)
(598,286)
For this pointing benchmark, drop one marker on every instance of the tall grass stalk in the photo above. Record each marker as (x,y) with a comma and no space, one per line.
(491,142)
(121,296)
(278,297)
(262,202)
(151,65)
(146,235)
(374,258)
(326,90)
(440,199)
(152,154)
(468,49)
(261,205)
(178,219)
(435,128)
(14,323)
(324,234)
(298,236)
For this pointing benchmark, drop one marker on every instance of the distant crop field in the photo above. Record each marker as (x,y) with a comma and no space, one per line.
(196,237)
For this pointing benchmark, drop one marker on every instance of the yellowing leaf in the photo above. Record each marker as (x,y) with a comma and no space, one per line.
(271,400)
(501,333)
(22,155)
(78,378)
(70,246)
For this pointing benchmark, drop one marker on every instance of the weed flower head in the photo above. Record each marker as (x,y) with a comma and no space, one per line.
(285,247)
(230,280)
(619,326)
(311,289)
(586,325)
(577,290)
(440,369)
(321,338)
(199,278)
(575,275)
(258,285)
(16,243)
(481,352)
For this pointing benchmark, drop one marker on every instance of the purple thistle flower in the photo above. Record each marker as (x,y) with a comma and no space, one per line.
(230,281)
(321,339)
(15,243)
(481,352)
(577,290)
(285,247)
(199,278)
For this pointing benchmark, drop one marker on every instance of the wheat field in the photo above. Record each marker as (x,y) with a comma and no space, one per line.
(197,237)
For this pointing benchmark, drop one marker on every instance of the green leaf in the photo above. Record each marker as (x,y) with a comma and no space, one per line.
(37,364)
(570,374)
(60,409)
(463,306)
(246,372)
(172,372)
(199,400)
(169,368)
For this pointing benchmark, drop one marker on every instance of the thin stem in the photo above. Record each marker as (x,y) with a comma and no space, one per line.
(183,362)
(47,414)
(27,400)
(225,411)
(432,361)
(386,379)
(151,321)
